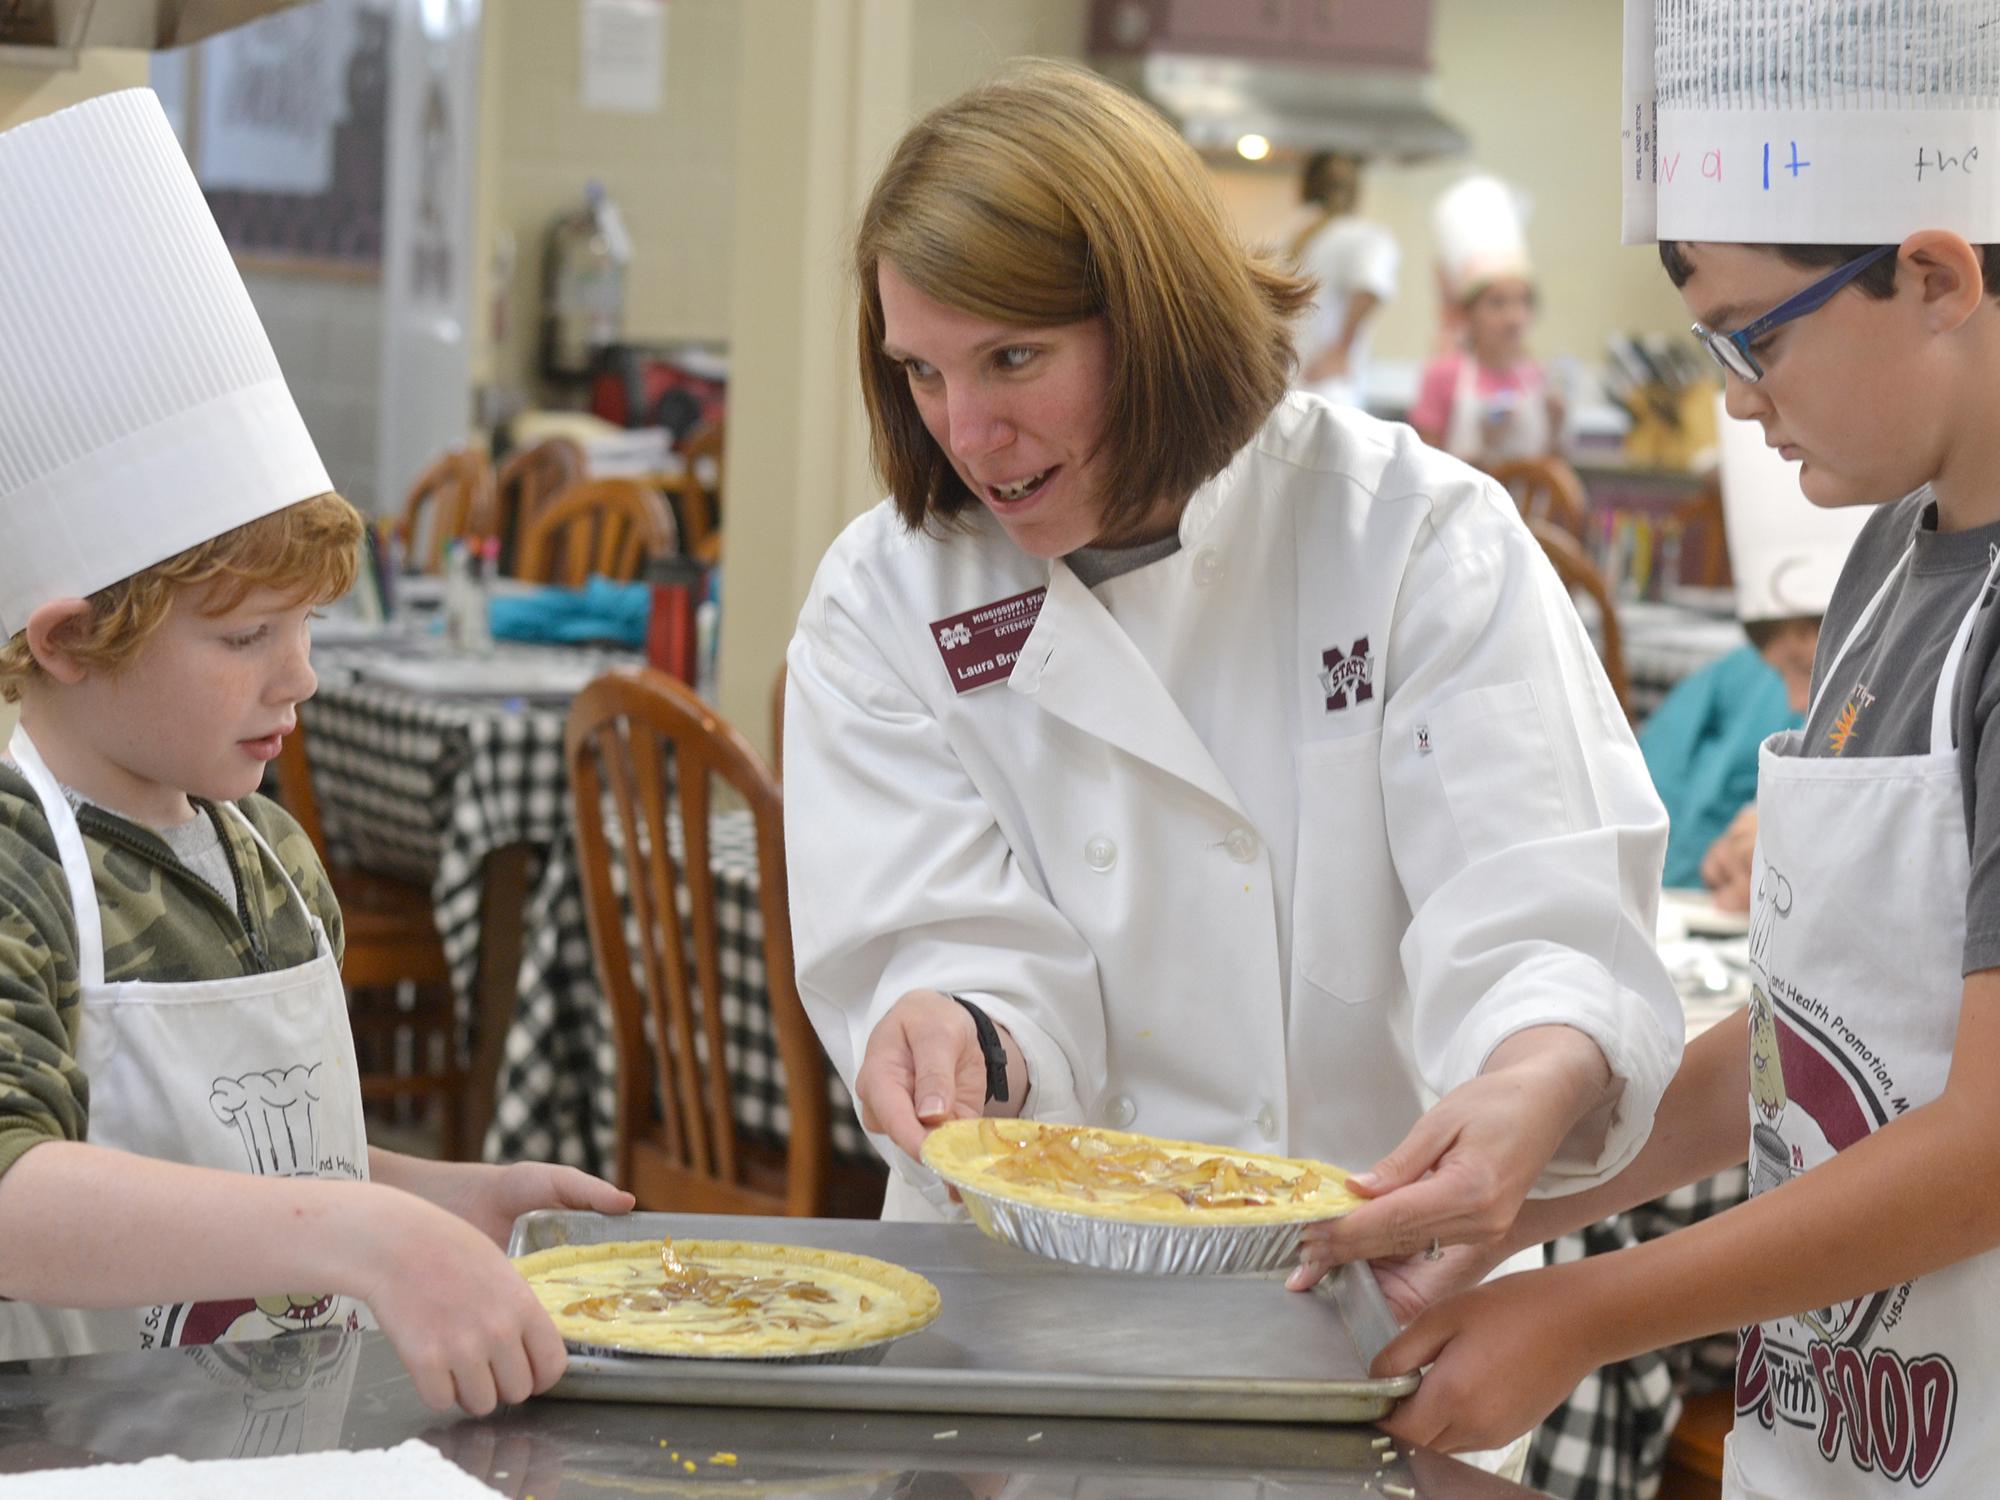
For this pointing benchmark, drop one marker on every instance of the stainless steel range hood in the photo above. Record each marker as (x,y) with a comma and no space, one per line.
(1306,75)
(1218,100)
(51,33)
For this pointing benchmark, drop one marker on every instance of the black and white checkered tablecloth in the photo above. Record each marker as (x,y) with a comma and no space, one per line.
(425,787)
(556,1098)
(1608,1441)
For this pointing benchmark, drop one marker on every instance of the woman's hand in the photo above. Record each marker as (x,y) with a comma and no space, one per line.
(923,1067)
(1462,1173)
(1502,1357)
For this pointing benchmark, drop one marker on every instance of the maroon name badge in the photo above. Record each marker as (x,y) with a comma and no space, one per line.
(979,646)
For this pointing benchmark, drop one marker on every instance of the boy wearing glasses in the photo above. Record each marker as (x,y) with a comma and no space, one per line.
(1855,307)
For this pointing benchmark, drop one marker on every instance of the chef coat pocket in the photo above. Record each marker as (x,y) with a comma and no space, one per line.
(1497,765)
(1346,903)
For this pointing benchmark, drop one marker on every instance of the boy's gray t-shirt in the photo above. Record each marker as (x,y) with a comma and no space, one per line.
(1879,700)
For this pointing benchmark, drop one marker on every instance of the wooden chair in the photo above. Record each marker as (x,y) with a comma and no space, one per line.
(451,499)
(1694,1448)
(1580,576)
(1547,489)
(608,526)
(1704,540)
(698,501)
(404,1051)
(667,1021)
(778,722)
(527,481)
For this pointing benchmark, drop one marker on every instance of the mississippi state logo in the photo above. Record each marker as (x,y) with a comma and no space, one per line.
(954,636)
(1347,676)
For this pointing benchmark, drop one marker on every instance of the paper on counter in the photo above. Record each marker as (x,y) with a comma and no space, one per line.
(411,1468)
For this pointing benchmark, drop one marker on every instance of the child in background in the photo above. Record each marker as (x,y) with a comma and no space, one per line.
(1701,743)
(1488,401)
(1855,307)
(181,1148)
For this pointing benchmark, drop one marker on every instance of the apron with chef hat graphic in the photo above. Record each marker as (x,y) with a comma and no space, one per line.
(252,1074)
(1803,122)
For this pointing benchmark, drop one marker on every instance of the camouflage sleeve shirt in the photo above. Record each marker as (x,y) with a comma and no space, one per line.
(161,922)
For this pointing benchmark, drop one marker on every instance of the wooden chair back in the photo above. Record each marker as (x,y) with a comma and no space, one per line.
(644,752)
(1704,540)
(778,723)
(529,480)
(698,500)
(1581,576)
(609,526)
(451,499)
(1546,489)
(400,1003)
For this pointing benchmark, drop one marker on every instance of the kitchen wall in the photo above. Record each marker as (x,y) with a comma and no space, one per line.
(1535,84)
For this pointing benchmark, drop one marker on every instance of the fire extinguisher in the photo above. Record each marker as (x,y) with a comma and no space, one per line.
(583,285)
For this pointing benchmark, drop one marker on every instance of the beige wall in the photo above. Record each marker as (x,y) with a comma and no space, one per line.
(670,173)
(824,91)
(1535,84)
(28,92)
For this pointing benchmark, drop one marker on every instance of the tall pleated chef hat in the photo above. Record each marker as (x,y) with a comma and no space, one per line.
(1811,121)
(141,408)
(1786,553)
(1477,223)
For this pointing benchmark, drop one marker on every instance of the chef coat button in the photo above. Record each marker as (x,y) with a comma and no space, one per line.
(1119,1111)
(1208,566)
(1100,853)
(1267,1123)
(1241,844)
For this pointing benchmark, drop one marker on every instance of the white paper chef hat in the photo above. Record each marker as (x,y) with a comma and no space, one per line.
(1785,552)
(1480,234)
(1810,121)
(141,408)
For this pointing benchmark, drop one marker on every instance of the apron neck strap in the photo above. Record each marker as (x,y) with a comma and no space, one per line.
(1943,738)
(75,858)
(1868,613)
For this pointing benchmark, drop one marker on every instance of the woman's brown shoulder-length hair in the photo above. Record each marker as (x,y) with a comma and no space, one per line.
(1048,195)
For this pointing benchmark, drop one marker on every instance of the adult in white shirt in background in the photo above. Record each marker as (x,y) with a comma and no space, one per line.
(1237,757)
(1355,263)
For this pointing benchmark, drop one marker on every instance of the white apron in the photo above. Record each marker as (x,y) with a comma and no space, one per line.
(253,1074)
(1856,938)
(1527,436)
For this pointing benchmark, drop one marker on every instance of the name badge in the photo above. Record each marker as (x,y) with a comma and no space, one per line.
(980,646)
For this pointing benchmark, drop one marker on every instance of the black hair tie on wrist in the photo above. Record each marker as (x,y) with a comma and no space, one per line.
(990,1049)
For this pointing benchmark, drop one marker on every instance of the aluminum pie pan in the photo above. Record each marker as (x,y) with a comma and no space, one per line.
(1112,1244)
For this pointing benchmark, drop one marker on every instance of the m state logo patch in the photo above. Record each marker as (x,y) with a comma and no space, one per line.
(1347,676)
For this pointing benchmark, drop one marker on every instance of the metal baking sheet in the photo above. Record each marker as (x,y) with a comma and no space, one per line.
(1024,1335)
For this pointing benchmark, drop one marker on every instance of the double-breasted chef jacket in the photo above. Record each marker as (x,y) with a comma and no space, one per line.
(1268,843)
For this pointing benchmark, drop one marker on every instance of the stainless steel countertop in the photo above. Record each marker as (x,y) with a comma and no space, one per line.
(320,1391)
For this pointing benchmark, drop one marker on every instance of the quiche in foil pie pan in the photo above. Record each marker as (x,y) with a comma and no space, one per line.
(728,1299)
(1124,1202)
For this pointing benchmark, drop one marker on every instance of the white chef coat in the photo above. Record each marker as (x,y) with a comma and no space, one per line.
(1349,257)
(1386,813)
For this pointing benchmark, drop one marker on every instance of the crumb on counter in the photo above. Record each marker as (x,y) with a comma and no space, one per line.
(948,1432)
(723,1460)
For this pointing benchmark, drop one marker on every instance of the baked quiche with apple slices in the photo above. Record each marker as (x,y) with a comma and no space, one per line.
(1136,1179)
(726,1299)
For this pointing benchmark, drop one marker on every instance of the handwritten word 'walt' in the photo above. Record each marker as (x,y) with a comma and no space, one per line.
(1711,164)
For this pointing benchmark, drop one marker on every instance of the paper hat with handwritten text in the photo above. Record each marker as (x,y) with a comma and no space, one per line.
(1480,237)
(1810,121)
(1785,551)
(141,407)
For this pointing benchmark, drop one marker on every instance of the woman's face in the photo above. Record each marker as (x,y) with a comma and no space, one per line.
(1018,411)
(1497,320)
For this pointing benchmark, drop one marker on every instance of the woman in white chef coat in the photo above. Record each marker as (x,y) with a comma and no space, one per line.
(1173,753)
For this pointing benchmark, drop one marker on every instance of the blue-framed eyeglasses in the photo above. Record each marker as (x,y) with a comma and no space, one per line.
(1732,350)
